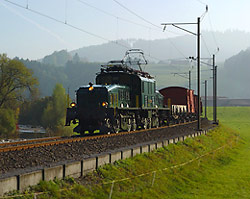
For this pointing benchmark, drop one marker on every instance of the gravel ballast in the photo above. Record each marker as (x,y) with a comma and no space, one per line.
(39,157)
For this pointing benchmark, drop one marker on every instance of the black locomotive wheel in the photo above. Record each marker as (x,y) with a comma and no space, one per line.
(145,126)
(157,123)
(129,125)
(149,123)
(134,126)
(117,125)
(108,123)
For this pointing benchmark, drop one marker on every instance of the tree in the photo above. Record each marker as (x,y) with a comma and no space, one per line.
(15,79)
(7,123)
(76,58)
(31,112)
(55,112)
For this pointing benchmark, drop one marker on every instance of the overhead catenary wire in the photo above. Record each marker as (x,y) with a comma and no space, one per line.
(201,2)
(121,18)
(205,44)
(147,21)
(66,7)
(76,28)
(111,15)
(90,33)
(129,21)
(132,12)
(67,24)
(212,31)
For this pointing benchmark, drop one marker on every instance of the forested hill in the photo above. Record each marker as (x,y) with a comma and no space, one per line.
(72,70)
(234,76)
(229,42)
(71,75)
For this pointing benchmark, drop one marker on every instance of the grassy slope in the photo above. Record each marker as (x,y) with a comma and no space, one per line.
(233,180)
(223,174)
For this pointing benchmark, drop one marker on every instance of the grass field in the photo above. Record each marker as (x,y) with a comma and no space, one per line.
(233,180)
(209,171)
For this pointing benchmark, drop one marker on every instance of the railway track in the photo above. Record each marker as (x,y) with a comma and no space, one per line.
(22,145)
(46,154)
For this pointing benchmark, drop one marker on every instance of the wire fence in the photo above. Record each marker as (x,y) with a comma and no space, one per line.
(153,173)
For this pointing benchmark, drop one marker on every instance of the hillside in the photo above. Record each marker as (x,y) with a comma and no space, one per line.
(76,68)
(229,42)
(234,76)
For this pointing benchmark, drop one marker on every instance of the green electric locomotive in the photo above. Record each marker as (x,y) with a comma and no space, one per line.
(123,99)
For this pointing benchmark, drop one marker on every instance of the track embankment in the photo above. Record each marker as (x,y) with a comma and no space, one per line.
(53,152)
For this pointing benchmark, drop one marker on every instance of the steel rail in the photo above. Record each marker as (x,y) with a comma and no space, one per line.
(29,141)
(80,139)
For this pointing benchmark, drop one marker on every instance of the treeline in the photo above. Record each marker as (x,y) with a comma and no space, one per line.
(48,112)
(21,101)
(233,78)
(33,92)
(71,75)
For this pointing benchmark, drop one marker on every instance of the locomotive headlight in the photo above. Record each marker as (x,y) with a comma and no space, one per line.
(104,104)
(91,88)
(73,104)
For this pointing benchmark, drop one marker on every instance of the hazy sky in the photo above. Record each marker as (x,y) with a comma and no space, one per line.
(28,35)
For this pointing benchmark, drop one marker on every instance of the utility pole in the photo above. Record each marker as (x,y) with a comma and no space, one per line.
(206,99)
(214,91)
(198,74)
(189,79)
(176,25)
(215,68)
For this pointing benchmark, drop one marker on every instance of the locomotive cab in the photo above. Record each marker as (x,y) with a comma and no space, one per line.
(90,108)
(96,106)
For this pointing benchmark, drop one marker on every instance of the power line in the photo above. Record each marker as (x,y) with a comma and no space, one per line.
(206,45)
(172,43)
(67,24)
(203,15)
(85,31)
(122,19)
(111,15)
(76,28)
(201,2)
(212,31)
(66,7)
(126,20)
(147,21)
(132,12)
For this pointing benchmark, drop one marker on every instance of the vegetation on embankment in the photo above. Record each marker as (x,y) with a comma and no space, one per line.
(172,172)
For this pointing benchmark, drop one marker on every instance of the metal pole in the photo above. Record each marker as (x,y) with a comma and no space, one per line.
(189,80)
(214,117)
(206,99)
(215,94)
(198,72)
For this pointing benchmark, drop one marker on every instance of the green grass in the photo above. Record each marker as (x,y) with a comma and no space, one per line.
(232,181)
(220,174)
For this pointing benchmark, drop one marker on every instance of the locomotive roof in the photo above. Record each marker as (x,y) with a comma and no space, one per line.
(114,86)
(109,87)
(94,85)
(120,66)
(147,79)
